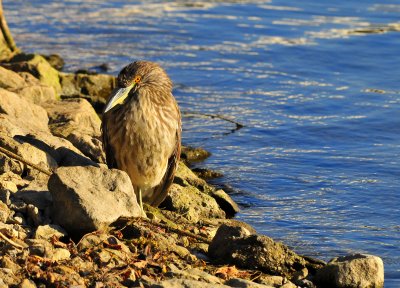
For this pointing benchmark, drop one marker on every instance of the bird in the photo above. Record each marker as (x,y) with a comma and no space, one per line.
(141,130)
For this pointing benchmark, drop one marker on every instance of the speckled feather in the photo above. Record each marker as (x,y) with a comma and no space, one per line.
(143,135)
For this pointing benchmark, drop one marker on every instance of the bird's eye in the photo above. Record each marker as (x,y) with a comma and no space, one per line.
(137,79)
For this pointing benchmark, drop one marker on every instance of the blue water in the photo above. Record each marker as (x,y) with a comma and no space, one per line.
(315,83)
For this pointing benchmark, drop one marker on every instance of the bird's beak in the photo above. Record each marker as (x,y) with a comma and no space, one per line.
(117,96)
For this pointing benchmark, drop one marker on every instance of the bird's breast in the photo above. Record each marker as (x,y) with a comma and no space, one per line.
(144,141)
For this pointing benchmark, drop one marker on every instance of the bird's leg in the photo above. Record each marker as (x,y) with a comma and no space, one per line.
(141,202)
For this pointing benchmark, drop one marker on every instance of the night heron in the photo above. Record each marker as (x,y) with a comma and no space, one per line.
(142,130)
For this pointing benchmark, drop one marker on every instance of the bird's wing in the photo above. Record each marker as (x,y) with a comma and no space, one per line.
(161,190)
(111,162)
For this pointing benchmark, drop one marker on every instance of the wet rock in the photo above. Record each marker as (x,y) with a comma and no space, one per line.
(234,245)
(191,154)
(89,198)
(38,67)
(357,270)
(55,61)
(225,202)
(191,203)
(49,231)
(204,173)
(10,80)
(185,283)
(242,283)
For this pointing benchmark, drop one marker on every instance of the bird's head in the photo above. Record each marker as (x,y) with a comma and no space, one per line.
(135,76)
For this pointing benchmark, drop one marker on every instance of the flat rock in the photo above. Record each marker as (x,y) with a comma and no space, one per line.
(89,198)
(357,270)
(236,245)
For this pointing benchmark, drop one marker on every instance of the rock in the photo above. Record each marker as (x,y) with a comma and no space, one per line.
(194,274)
(10,80)
(49,231)
(4,212)
(242,283)
(205,173)
(190,154)
(97,86)
(7,262)
(72,115)
(77,121)
(191,203)
(357,270)
(34,214)
(26,151)
(8,277)
(37,94)
(55,61)
(225,202)
(185,177)
(185,283)
(23,114)
(38,67)
(234,245)
(27,283)
(271,280)
(289,285)
(60,254)
(36,193)
(40,247)
(91,146)
(89,198)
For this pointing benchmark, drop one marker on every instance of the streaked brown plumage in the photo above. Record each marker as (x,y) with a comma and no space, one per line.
(142,129)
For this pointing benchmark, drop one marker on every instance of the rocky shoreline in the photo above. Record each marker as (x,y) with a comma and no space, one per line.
(66,220)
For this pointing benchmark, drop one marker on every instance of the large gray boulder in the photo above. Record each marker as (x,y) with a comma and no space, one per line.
(86,199)
(352,271)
